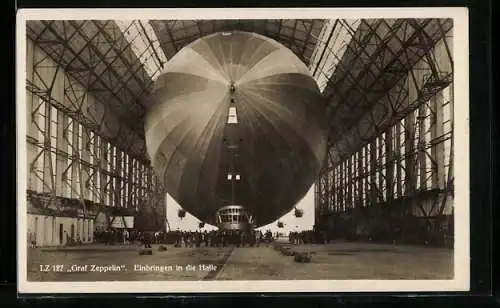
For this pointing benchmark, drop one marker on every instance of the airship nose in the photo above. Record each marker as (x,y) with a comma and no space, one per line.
(277,111)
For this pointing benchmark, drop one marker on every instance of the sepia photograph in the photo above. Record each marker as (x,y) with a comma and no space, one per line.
(176,150)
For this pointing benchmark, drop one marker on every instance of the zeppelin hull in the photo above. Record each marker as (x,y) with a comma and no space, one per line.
(236,119)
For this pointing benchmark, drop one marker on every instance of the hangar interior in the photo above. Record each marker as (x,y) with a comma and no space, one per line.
(388,83)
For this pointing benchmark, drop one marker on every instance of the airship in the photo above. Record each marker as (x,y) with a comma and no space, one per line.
(236,129)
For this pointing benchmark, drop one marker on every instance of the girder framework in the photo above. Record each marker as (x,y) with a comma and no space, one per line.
(379,55)
(391,120)
(331,45)
(75,167)
(107,60)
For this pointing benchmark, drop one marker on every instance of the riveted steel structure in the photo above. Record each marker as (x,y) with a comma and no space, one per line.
(389,172)
(86,152)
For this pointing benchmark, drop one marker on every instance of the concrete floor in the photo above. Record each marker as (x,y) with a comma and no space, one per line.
(339,260)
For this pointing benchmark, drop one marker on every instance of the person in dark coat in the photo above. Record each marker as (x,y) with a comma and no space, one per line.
(146,240)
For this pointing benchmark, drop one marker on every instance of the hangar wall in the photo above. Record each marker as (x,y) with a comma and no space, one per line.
(77,165)
(390,178)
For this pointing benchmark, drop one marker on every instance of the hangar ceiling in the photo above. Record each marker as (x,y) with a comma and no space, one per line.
(299,35)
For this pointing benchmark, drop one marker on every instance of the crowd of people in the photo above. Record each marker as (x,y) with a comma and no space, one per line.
(113,236)
(219,238)
(202,238)
(206,238)
(199,238)
(303,237)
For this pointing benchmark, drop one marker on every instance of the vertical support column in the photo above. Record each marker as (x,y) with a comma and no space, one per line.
(67,145)
(336,205)
(397,157)
(73,143)
(161,202)
(373,172)
(92,170)
(380,145)
(321,193)
(367,174)
(451,156)
(98,165)
(83,159)
(78,236)
(448,145)
(336,188)
(61,157)
(354,180)
(325,204)
(106,179)
(134,196)
(80,189)
(402,156)
(85,169)
(349,183)
(437,150)
(52,152)
(89,158)
(91,230)
(125,194)
(130,178)
(84,230)
(421,147)
(53,235)
(112,177)
(105,172)
(316,201)
(47,162)
(389,169)
(118,176)
(355,187)
(410,155)
(360,177)
(344,188)
(341,187)
(331,190)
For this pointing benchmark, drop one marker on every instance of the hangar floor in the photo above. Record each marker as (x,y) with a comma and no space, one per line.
(338,260)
